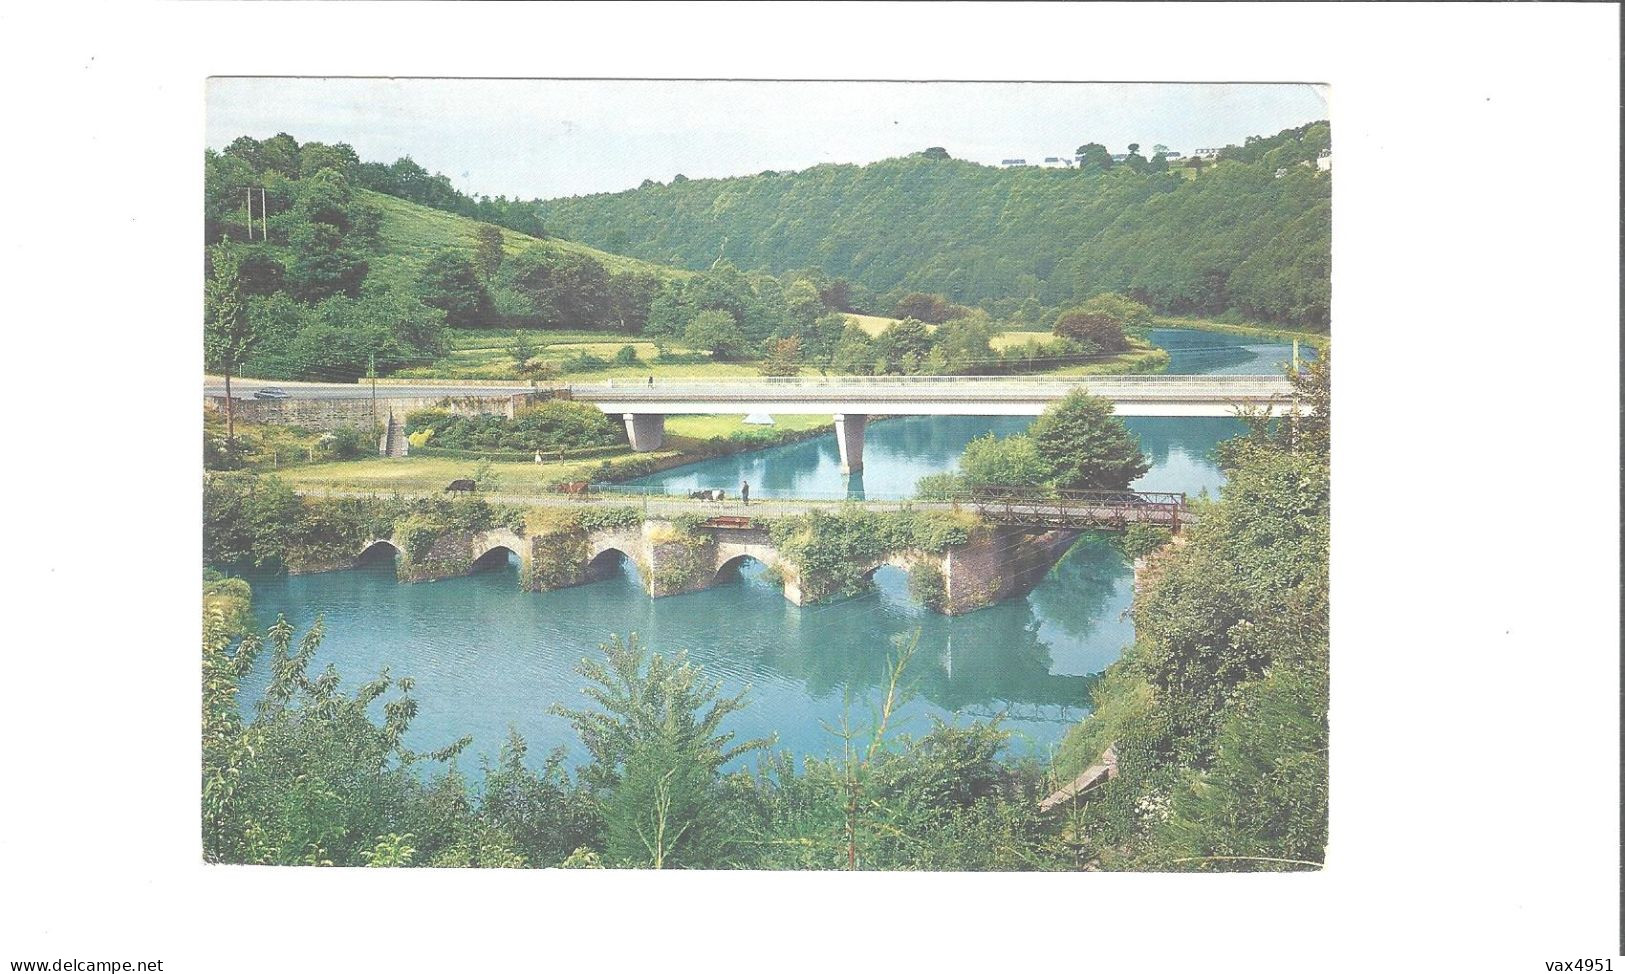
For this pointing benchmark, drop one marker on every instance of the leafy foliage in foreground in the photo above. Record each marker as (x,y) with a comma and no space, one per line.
(313,778)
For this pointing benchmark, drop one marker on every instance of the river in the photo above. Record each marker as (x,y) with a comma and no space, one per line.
(487,656)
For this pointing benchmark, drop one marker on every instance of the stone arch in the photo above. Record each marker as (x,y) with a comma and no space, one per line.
(494,556)
(374,550)
(894,559)
(731,565)
(604,561)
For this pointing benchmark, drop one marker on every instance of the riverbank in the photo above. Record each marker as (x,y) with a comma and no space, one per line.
(1321,340)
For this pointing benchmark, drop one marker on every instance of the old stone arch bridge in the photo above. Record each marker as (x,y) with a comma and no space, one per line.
(998,562)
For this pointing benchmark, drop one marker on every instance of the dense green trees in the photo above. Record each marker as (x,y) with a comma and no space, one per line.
(1077,443)
(1218,711)
(448,281)
(304,280)
(1084,446)
(1237,239)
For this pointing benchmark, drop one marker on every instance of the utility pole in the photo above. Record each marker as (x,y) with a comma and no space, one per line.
(372,371)
(265,230)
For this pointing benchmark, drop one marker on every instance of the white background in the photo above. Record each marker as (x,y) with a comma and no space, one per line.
(1475,646)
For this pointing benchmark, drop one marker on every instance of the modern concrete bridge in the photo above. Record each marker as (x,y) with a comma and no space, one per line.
(644,406)
(851,400)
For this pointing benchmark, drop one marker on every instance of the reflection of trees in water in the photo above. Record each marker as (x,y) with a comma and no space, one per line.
(1089,576)
(1196,437)
(988,658)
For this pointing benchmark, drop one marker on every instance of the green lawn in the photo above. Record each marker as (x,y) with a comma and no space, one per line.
(721,426)
(429,474)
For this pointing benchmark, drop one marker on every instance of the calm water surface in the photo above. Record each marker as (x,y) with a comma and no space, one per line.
(486,655)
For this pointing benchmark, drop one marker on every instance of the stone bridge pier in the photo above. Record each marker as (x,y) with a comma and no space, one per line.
(645,431)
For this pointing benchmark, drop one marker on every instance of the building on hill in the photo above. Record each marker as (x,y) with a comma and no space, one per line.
(1056,162)
(1324,161)
(1011,163)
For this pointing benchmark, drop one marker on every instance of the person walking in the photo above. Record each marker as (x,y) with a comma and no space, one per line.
(744,492)
(651,381)
(538,458)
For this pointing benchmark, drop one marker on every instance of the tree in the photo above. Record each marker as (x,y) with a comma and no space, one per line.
(783,357)
(904,345)
(488,250)
(935,152)
(823,339)
(1094,156)
(448,282)
(930,308)
(228,332)
(1003,464)
(1084,446)
(657,750)
(716,332)
(1099,331)
(854,353)
(522,350)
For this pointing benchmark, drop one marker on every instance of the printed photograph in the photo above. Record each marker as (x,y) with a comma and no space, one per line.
(766,475)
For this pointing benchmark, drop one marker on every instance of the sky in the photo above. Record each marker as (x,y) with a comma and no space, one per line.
(545,139)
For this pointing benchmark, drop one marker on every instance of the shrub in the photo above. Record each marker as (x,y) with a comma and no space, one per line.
(626,355)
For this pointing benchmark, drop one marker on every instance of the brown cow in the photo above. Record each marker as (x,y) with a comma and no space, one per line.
(460,486)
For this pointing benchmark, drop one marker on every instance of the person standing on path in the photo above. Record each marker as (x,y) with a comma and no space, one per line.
(744,492)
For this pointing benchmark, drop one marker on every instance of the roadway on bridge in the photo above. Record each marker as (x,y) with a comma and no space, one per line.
(1149,508)
(1145,395)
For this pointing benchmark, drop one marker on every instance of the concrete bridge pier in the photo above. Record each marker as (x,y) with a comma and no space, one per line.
(849,436)
(645,431)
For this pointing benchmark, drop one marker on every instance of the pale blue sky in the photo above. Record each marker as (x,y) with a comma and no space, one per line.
(559,138)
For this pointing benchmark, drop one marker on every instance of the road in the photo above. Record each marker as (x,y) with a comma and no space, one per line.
(669,505)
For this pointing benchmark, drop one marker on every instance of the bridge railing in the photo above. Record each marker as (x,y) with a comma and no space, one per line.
(990,497)
(817,381)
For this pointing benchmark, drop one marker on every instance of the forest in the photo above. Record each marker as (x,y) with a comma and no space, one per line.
(1247,235)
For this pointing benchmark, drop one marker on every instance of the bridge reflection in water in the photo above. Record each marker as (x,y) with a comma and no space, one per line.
(486,655)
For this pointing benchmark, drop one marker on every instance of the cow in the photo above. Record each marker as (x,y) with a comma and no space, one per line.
(465,486)
(577,488)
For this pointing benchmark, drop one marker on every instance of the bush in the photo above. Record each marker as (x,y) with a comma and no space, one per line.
(627,355)
(555,424)
(351,443)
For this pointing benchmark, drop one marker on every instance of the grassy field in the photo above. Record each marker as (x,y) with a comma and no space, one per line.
(1019,339)
(483,353)
(873,325)
(720,427)
(410,234)
(430,474)
(1142,357)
